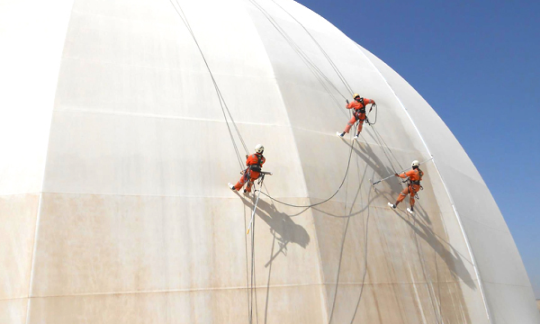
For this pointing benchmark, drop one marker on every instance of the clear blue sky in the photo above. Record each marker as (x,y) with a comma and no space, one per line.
(477,63)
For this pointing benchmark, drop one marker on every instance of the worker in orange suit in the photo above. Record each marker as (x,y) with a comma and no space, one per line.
(414,177)
(254,165)
(359,105)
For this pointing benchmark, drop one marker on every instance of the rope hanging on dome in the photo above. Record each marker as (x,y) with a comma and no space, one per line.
(338,72)
(321,77)
(327,199)
(222,102)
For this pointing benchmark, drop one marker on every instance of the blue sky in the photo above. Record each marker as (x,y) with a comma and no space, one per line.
(478,65)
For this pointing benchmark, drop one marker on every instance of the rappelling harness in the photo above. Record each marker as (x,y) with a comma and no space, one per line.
(411,183)
(258,166)
(359,112)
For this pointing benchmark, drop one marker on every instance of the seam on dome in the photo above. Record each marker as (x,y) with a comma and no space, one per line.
(44,170)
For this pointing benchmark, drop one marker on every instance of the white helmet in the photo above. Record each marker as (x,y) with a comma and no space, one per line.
(259,148)
(415,163)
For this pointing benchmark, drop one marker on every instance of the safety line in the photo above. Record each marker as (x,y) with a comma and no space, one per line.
(365,258)
(252,268)
(338,72)
(314,69)
(224,108)
(321,202)
(343,245)
(427,275)
(252,228)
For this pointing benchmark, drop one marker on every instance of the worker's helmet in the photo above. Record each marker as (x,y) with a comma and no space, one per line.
(415,163)
(356,95)
(259,148)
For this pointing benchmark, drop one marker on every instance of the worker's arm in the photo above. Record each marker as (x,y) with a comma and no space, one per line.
(349,105)
(369,101)
(249,160)
(402,175)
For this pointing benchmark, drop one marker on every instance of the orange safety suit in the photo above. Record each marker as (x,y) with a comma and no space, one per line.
(254,165)
(359,113)
(415,176)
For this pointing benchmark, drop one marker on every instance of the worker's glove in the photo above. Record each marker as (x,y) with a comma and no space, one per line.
(247,156)
(370,109)
(397,175)
(347,101)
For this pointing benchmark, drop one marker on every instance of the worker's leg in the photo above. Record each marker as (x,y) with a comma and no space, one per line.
(242,181)
(350,124)
(254,176)
(402,195)
(249,184)
(360,125)
(413,192)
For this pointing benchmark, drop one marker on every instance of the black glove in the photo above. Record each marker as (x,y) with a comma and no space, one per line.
(347,101)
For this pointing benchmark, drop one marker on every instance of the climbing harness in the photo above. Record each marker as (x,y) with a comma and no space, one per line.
(256,167)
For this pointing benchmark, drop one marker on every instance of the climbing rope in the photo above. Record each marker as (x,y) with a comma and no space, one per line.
(321,77)
(343,245)
(332,64)
(225,110)
(223,104)
(252,283)
(372,122)
(321,202)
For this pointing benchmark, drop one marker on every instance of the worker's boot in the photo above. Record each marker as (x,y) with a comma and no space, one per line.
(411,210)
(392,205)
(340,134)
(356,136)
(232,187)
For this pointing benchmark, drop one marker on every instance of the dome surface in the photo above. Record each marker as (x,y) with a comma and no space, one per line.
(123,122)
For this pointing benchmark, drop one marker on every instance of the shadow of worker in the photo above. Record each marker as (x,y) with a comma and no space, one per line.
(282,227)
(450,256)
(368,155)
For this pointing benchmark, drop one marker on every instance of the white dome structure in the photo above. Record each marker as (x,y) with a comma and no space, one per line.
(116,122)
